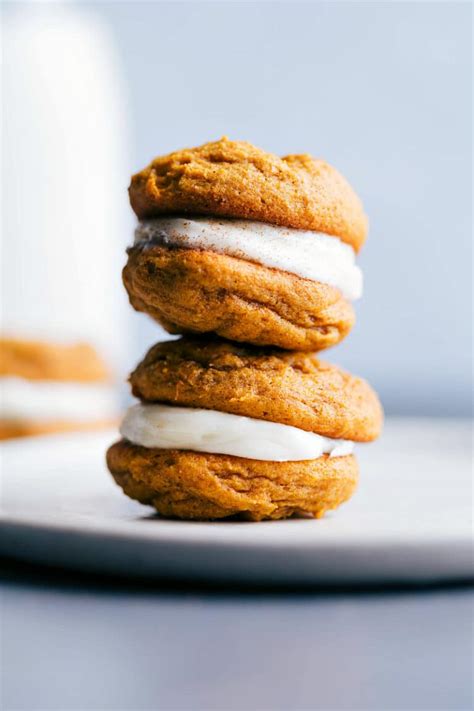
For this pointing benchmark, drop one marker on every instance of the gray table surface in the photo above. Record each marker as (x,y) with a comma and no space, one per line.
(72,642)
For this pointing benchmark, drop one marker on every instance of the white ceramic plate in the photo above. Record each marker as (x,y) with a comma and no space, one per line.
(409,522)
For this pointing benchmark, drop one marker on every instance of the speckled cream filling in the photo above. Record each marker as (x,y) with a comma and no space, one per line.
(311,255)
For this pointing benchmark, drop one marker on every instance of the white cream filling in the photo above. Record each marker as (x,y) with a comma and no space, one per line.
(49,400)
(311,255)
(169,427)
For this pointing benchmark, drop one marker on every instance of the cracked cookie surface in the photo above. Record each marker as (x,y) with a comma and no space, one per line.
(192,485)
(293,388)
(236,179)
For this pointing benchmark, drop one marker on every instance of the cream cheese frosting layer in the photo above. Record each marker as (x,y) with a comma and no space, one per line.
(311,255)
(50,400)
(167,427)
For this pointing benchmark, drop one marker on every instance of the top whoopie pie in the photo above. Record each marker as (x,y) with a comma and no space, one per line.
(241,243)
(237,180)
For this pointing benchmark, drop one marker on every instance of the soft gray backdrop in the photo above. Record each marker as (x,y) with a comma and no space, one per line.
(382,91)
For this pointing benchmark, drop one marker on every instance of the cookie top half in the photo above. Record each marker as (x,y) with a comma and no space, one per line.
(291,388)
(40,360)
(235,179)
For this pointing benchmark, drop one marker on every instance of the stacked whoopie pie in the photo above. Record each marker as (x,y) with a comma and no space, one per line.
(48,387)
(253,257)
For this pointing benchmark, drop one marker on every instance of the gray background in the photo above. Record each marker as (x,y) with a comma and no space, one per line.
(70,644)
(380,90)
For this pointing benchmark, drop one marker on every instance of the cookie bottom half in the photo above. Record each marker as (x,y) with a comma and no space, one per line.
(193,485)
(192,291)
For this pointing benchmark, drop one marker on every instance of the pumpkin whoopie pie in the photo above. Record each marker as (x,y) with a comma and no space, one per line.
(225,429)
(240,243)
(52,387)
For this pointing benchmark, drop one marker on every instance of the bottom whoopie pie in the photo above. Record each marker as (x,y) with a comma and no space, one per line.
(229,430)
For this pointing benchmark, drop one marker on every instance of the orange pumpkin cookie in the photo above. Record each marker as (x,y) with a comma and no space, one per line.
(193,291)
(293,389)
(38,360)
(236,179)
(193,485)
